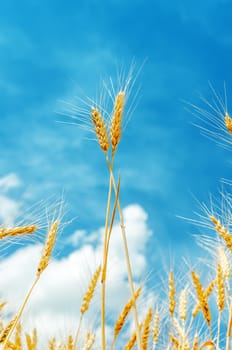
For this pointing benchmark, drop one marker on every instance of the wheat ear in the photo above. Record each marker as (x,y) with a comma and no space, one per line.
(116,124)
(220,297)
(32,340)
(209,345)
(16,231)
(146,330)
(195,343)
(100,129)
(221,288)
(86,300)
(90,339)
(201,298)
(224,262)
(132,340)
(70,343)
(155,329)
(183,305)
(172,302)
(122,317)
(228,122)
(223,232)
(41,267)
(174,341)
(18,337)
(47,251)
(6,331)
(52,344)
(90,291)
(207,293)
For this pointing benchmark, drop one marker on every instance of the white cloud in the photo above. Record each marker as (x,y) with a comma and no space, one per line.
(9,208)
(9,181)
(55,303)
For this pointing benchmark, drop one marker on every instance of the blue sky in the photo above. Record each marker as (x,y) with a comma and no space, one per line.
(54,50)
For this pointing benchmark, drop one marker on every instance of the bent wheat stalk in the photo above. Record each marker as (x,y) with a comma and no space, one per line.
(129,270)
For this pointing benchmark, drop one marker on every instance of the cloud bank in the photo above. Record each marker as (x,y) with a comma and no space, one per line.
(54,306)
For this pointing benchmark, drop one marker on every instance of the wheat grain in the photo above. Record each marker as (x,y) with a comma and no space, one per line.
(49,244)
(201,297)
(100,129)
(116,124)
(90,291)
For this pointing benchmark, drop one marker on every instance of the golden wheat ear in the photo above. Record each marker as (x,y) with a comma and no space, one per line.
(116,123)
(172,301)
(228,122)
(90,291)
(100,129)
(201,297)
(49,244)
(16,231)
(32,340)
(223,232)
(123,316)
